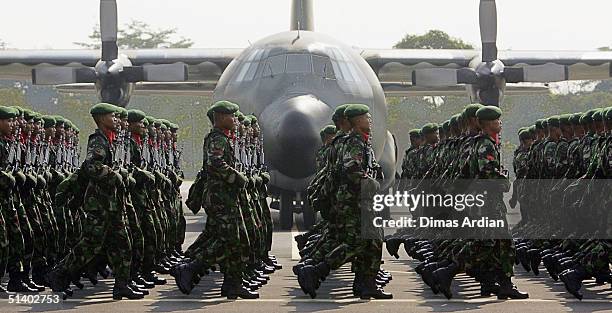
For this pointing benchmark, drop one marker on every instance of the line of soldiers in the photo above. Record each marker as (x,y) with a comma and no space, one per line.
(37,152)
(347,173)
(563,166)
(63,220)
(231,187)
(450,159)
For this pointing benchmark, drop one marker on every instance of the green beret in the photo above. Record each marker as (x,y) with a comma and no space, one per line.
(163,126)
(454,121)
(471,109)
(597,116)
(575,118)
(145,122)
(586,118)
(246,121)
(413,133)
(166,122)
(136,116)
(446,126)
(224,107)
(37,117)
(565,119)
(28,114)
(532,130)
(123,113)
(103,108)
(524,134)
(49,121)
(327,130)
(354,110)
(59,120)
(158,123)
(19,110)
(429,128)
(8,113)
(609,114)
(521,129)
(538,124)
(150,120)
(253,119)
(339,112)
(174,127)
(545,123)
(70,125)
(240,116)
(211,115)
(554,121)
(488,113)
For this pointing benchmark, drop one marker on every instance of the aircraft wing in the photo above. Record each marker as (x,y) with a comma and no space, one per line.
(396,66)
(203,64)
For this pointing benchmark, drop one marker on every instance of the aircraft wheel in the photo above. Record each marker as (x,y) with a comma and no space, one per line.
(286,212)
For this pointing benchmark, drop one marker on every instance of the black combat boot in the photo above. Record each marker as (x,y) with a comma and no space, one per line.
(572,279)
(25,278)
(185,274)
(488,285)
(151,277)
(507,290)
(393,244)
(234,289)
(357,284)
(143,282)
(534,260)
(138,288)
(58,279)
(427,276)
(443,277)
(122,289)
(301,241)
(16,284)
(297,267)
(309,275)
(371,290)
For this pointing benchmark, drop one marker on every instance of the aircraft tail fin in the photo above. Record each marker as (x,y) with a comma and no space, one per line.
(302,16)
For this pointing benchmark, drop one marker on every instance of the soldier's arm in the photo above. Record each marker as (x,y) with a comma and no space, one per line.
(353,163)
(488,162)
(216,164)
(93,165)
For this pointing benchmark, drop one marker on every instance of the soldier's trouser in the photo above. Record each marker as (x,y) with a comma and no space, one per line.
(14,237)
(150,242)
(38,241)
(104,232)
(4,243)
(25,229)
(136,236)
(353,246)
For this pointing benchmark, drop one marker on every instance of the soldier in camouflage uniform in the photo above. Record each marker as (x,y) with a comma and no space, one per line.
(105,227)
(357,170)
(220,241)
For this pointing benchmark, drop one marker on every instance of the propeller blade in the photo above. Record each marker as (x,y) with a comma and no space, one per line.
(109,29)
(488,29)
(176,72)
(443,77)
(537,73)
(63,75)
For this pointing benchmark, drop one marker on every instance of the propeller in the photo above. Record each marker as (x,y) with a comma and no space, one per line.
(490,70)
(114,74)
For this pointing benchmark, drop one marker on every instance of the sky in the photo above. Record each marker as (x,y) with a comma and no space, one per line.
(523,24)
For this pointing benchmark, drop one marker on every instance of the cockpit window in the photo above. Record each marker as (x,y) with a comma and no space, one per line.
(344,69)
(249,67)
(275,65)
(323,67)
(299,63)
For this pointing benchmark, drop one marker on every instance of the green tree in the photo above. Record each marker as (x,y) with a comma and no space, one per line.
(139,35)
(434,39)
(604,49)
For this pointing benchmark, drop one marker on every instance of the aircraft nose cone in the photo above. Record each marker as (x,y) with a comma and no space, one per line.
(291,129)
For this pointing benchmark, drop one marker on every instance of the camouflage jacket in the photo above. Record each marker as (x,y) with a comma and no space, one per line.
(562,159)
(409,163)
(320,157)
(98,162)
(520,162)
(219,157)
(4,153)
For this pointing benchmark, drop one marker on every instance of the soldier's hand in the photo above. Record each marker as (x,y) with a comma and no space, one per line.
(7,181)
(241,180)
(265,176)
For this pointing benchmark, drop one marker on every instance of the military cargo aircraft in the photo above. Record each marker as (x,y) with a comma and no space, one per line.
(293,80)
